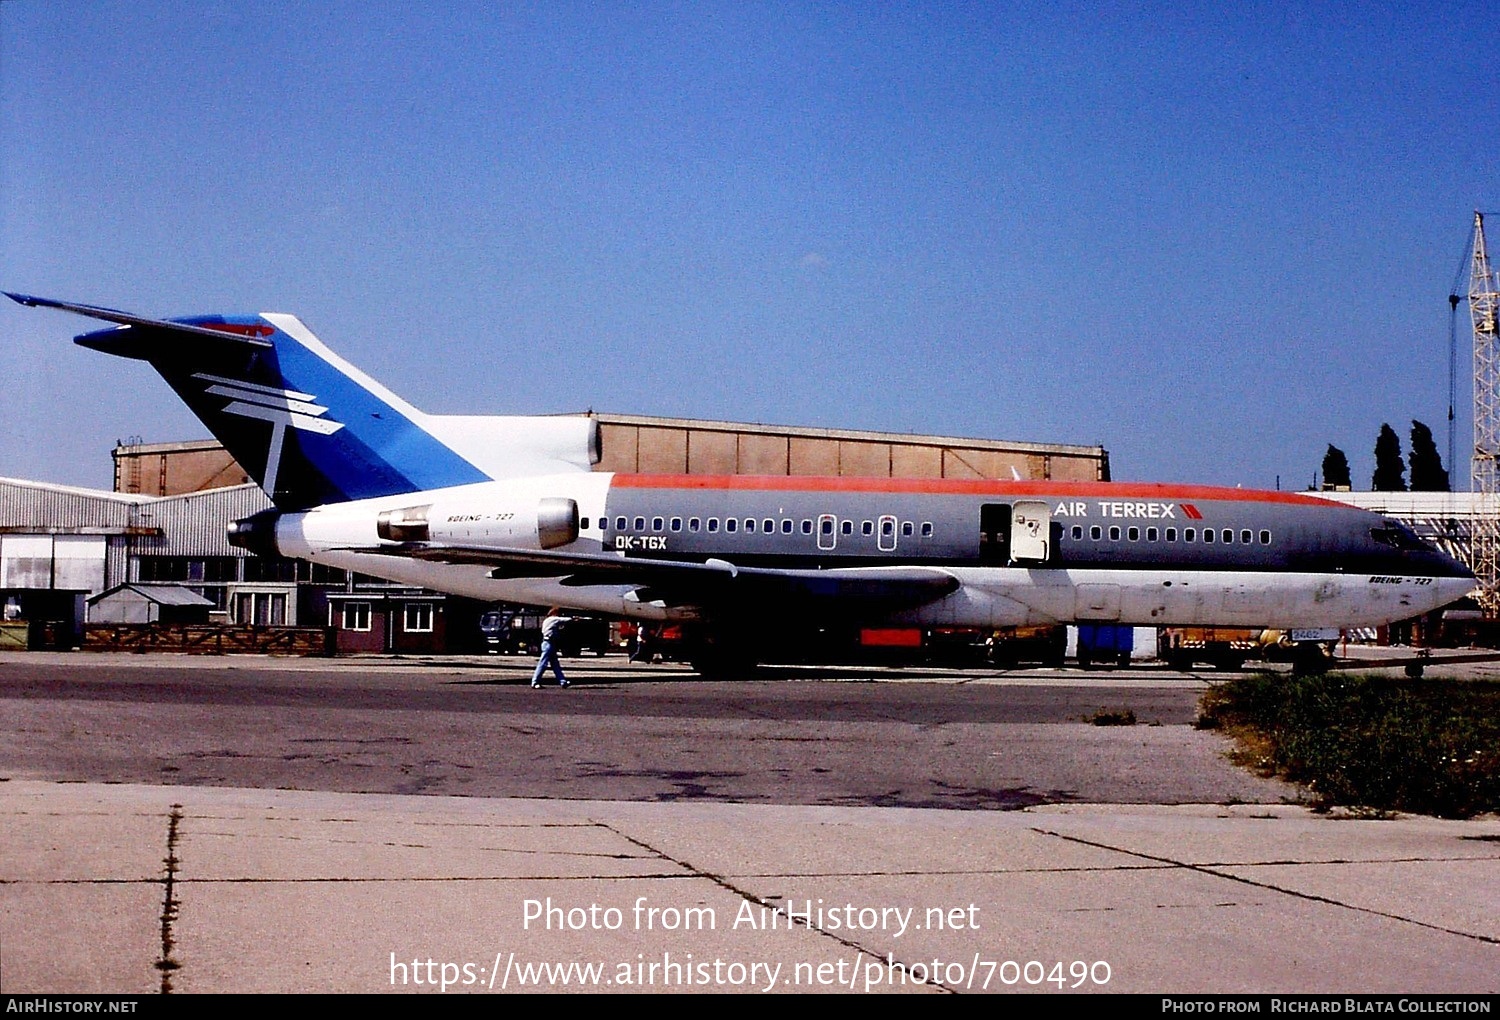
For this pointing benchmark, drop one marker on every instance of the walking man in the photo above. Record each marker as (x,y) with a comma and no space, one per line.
(552,628)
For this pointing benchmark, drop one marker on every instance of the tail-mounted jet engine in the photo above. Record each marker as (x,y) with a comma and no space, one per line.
(545,524)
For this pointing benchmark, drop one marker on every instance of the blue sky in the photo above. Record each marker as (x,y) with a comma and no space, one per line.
(1213,238)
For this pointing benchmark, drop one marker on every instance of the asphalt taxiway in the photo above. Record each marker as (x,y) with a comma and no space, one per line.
(130,877)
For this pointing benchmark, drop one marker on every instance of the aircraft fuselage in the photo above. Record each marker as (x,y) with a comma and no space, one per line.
(1020,552)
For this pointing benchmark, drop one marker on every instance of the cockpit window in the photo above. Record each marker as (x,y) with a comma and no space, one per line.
(1398,536)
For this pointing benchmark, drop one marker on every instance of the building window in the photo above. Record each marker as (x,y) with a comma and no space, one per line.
(416,618)
(357,616)
(259,568)
(164,568)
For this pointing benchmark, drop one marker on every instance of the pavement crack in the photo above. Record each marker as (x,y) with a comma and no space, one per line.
(167,965)
(723,883)
(1297,893)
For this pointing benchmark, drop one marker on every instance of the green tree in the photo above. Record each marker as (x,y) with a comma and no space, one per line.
(1427,473)
(1335,469)
(1390,472)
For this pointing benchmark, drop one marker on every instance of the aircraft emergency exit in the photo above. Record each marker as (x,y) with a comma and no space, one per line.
(508,509)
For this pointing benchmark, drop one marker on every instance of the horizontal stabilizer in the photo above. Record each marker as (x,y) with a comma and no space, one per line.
(227,332)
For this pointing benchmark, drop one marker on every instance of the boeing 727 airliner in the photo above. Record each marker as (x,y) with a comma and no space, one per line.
(507,509)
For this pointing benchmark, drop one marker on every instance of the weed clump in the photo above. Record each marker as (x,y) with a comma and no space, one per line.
(1430,747)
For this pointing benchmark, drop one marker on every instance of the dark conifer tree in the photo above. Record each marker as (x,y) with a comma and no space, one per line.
(1335,468)
(1390,472)
(1427,473)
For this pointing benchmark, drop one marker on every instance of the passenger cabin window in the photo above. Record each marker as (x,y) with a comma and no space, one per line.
(1077,532)
(619,524)
(583,524)
(1114,533)
(1208,534)
(1096,533)
(1191,534)
(867,528)
(786,526)
(1228,536)
(731,524)
(713,524)
(676,523)
(848,528)
(807,527)
(640,524)
(657,524)
(825,525)
(768,525)
(1265,538)
(1134,534)
(906,529)
(926,529)
(694,524)
(1171,534)
(1245,538)
(1151,534)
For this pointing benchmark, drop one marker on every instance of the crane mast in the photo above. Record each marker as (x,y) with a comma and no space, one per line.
(1484,302)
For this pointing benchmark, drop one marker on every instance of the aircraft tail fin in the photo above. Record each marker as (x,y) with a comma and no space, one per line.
(306,425)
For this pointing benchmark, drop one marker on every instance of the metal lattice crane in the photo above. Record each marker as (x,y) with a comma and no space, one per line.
(1483,304)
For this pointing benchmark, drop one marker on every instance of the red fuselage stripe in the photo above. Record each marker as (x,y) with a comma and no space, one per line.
(966,487)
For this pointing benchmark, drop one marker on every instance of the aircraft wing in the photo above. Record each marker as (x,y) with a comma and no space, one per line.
(679,582)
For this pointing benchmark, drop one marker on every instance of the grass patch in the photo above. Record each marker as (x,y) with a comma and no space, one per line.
(1113,717)
(1423,746)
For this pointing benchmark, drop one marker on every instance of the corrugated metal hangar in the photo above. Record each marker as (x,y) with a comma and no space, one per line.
(692,447)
